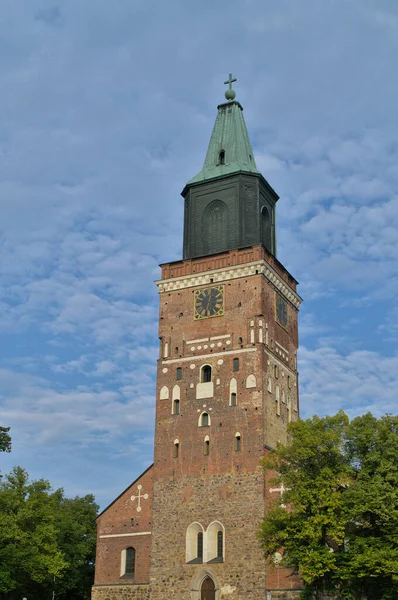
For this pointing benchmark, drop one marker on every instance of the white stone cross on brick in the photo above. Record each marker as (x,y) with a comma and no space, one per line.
(281,490)
(144,496)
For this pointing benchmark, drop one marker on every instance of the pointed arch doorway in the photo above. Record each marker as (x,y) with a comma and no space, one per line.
(208,590)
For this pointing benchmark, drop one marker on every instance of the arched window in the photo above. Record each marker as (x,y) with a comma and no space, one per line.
(204,420)
(283,396)
(176,407)
(237,442)
(276,371)
(200,546)
(269,385)
(236,364)
(277,400)
(176,449)
(206,446)
(194,543)
(233,386)
(178,373)
(215,542)
(266,227)
(289,409)
(128,562)
(215,227)
(220,544)
(221,157)
(205,374)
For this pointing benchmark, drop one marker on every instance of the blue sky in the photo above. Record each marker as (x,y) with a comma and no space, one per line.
(106,112)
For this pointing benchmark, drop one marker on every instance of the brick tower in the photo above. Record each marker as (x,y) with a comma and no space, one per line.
(226,390)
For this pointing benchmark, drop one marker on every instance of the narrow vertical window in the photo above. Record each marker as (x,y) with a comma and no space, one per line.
(233,388)
(276,372)
(206,448)
(236,364)
(220,545)
(176,407)
(179,373)
(289,410)
(277,399)
(204,420)
(200,546)
(206,374)
(221,158)
(176,450)
(130,562)
(237,442)
(269,385)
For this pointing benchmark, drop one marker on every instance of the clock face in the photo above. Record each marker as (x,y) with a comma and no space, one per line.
(281,310)
(209,302)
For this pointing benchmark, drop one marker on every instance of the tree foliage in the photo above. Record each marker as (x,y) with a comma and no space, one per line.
(340,530)
(47,541)
(5,439)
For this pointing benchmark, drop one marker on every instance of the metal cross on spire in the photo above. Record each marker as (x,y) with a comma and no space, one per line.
(230,93)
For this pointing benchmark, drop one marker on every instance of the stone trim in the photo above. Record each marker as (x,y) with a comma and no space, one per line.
(118,535)
(233,272)
(171,361)
(283,365)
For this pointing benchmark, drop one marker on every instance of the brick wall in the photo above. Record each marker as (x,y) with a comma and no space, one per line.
(115,521)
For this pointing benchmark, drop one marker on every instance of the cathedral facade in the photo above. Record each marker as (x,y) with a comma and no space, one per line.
(227,387)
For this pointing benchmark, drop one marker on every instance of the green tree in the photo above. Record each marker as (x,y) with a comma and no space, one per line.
(76,535)
(5,439)
(28,546)
(340,531)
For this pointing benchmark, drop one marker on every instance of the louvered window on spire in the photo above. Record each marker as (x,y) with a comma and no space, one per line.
(221,157)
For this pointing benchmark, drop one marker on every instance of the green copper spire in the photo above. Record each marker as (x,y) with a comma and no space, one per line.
(229,150)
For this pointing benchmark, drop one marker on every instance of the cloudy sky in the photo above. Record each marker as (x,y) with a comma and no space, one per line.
(106,111)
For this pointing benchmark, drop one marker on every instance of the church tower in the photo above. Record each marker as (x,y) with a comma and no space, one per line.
(226,390)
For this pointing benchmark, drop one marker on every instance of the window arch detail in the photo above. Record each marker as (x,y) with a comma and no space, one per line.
(205,374)
(215,542)
(204,419)
(195,540)
(164,393)
(251,381)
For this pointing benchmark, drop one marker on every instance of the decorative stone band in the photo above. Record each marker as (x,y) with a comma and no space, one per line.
(234,272)
(117,535)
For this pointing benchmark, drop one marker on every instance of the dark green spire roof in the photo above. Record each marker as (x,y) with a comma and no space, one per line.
(229,150)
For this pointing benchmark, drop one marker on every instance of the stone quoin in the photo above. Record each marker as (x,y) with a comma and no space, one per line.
(227,387)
